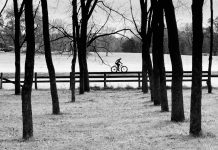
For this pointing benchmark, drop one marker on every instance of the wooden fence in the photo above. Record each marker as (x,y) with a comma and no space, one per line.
(101,77)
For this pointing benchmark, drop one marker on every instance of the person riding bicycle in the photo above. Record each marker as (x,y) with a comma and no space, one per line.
(118,63)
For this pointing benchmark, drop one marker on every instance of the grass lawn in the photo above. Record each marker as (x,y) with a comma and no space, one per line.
(107,119)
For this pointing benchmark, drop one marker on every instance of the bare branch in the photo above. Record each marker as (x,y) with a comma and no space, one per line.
(133,18)
(3,7)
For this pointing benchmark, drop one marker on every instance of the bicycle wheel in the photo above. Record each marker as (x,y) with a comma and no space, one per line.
(124,69)
(114,69)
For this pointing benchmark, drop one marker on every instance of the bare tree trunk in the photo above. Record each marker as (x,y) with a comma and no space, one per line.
(84,83)
(196,93)
(17,47)
(155,50)
(176,60)
(211,49)
(144,16)
(73,81)
(81,67)
(163,89)
(86,76)
(29,69)
(48,58)
(148,59)
(75,36)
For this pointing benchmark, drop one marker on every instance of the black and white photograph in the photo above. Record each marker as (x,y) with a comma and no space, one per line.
(108,74)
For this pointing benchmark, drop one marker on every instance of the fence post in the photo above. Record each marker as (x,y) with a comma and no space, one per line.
(36,86)
(139,85)
(105,85)
(1,80)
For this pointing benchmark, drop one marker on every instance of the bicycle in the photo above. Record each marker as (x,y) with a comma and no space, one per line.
(120,69)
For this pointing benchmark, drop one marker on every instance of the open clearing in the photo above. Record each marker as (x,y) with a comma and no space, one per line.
(107,119)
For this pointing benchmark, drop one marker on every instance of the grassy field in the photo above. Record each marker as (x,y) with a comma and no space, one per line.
(107,119)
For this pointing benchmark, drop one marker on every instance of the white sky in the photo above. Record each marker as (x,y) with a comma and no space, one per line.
(60,9)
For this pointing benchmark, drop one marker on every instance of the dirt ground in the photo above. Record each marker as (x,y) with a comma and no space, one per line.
(108,119)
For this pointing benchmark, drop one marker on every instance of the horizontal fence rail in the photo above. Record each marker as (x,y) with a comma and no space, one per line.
(97,77)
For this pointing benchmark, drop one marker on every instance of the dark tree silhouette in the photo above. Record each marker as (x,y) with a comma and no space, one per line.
(163,89)
(48,58)
(146,40)
(74,48)
(155,51)
(196,93)
(87,8)
(17,44)
(211,48)
(29,68)
(176,61)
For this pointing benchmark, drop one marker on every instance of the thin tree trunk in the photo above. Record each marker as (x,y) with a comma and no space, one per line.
(163,89)
(17,48)
(74,50)
(29,69)
(144,15)
(196,93)
(48,58)
(73,82)
(86,76)
(211,49)
(81,67)
(148,58)
(177,113)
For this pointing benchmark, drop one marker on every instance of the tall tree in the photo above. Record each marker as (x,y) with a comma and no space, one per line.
(29,69)
(146,41)
(163,89)
(211,48)
(145,36)
(176,61)
(196,93)
(17,43)
(155,51)
(87,8)
(74,48)
(48,58)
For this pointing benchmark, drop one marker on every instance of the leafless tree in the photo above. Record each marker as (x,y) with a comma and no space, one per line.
(17,43)
(196,91)
(177,113)
(29,68)
(48,58)
(211,48)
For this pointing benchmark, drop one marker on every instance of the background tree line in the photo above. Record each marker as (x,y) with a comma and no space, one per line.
(60,43)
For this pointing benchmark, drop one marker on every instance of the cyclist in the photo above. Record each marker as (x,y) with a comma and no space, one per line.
(118,63)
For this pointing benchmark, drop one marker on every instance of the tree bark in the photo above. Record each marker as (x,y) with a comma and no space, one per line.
(48,58)
(148,59)
(163,89)
(196,93)
(144,16)
(74,49)
(211,49)
(81,67)
(84,77)
(29,69)
(155,50)
(17,47)
(177,113)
